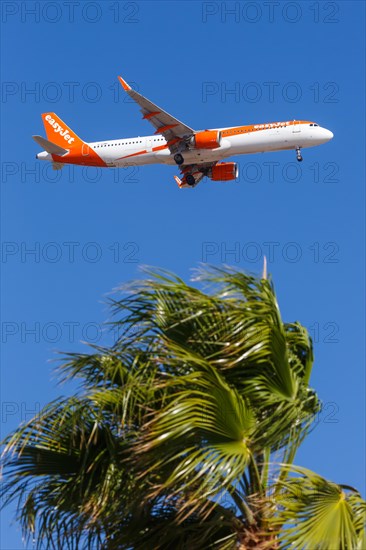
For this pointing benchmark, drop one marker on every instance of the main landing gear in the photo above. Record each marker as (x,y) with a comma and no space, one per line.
(178,159)
(298,154)
(190,179)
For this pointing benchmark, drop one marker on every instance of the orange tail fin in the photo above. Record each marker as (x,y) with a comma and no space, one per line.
(59,133)
(61,136)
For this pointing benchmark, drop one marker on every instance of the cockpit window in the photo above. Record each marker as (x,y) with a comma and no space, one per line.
(313,124)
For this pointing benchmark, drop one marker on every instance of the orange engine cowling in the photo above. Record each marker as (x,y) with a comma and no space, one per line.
(224,171)
(208,139)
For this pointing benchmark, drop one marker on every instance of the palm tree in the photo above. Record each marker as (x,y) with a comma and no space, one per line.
(184,433)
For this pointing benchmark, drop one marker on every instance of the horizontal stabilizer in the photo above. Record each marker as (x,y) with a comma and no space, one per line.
(50,147)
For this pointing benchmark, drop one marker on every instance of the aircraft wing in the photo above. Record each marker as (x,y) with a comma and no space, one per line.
(171,128)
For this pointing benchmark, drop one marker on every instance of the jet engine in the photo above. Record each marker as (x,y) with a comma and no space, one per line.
(208,139)
(224,171)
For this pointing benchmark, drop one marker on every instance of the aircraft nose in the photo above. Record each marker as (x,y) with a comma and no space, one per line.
(328,135)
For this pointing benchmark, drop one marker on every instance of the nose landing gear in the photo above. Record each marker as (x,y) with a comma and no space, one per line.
(298,154)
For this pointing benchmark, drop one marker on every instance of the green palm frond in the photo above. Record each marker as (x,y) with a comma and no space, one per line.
(67,463)
(205,432)
(245,340)
(316,513)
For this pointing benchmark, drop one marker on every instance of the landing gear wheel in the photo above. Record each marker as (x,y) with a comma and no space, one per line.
(178,159)
(190,179)
(298,154)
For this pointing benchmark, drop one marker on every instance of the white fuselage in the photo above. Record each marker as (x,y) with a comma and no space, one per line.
(238,140)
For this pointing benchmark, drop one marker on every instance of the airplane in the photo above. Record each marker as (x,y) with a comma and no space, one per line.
(196,153)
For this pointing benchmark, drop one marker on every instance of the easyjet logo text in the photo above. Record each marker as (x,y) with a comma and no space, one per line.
(59,130)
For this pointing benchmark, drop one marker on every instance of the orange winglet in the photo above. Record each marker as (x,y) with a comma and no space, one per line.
(165,128)
(125,86)
(150,115)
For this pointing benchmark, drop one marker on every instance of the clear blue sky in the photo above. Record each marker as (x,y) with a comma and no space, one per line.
(90,230)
